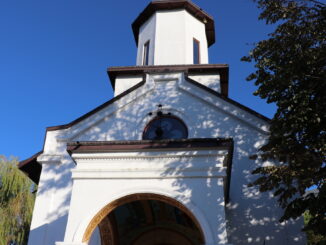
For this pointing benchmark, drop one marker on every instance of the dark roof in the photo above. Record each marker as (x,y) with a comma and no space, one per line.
(193,9)
(137,145)
(31,167)
(222,69)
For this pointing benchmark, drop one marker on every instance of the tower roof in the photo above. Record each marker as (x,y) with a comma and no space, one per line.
(193,9)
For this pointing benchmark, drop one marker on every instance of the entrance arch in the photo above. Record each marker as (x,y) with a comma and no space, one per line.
(156,233)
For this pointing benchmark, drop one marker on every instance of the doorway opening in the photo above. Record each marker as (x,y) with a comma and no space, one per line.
(147,220)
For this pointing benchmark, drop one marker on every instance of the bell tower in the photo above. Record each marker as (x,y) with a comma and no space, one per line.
(173,33)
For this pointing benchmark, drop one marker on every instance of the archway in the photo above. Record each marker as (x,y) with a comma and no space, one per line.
(149,219)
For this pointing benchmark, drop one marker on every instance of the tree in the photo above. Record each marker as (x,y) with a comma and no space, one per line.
(290,70)
(311,237)
(16,203)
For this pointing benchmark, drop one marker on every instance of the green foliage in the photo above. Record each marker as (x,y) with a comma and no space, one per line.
(16,203)
(312,238)
(290,71)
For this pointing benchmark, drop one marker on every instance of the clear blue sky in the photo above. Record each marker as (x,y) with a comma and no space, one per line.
(54,56)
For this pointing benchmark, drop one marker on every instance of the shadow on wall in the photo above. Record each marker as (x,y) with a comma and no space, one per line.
(55,179)
(252,217)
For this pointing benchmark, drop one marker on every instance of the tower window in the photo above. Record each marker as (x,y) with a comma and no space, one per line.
(165,127)
(145,53)
(196,45)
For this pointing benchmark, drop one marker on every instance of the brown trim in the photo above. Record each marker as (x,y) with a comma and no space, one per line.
(138,145)
(193,9)
(31,167)
(233,102)
(68,125)
(30,159)
(198,51)
(222,69)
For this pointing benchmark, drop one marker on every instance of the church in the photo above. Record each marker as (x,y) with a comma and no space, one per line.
(166,161)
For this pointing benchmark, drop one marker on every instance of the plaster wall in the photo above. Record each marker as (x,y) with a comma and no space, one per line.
(252,217)
(195,29)
(211,80)
(51,207)
(170,38)
(123,83)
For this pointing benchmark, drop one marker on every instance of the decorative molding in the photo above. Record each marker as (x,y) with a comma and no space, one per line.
(167,173)
(121,158)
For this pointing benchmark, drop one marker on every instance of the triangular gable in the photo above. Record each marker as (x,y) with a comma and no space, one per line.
(113,72)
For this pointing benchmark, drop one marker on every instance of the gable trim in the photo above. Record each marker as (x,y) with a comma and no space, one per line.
(227,99)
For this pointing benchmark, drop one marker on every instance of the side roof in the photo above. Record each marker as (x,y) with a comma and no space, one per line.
(31,167)
(193,9)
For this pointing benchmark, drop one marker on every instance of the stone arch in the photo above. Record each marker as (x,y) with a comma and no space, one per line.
(101,214)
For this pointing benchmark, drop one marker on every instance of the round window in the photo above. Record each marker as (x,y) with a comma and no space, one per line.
(165,127)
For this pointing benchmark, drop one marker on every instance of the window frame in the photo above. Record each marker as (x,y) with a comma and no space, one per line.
(145,60)
(195,41)
(158,117)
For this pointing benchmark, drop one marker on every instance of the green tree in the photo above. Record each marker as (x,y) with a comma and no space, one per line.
(16,203)
(290,71)
(312,238)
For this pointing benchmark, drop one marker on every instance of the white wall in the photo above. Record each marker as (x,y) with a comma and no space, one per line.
(211,81)
(171,36)
(123,83)
(252,216)
(147,33)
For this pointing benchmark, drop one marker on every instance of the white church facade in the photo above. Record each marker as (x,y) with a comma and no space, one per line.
(166,161)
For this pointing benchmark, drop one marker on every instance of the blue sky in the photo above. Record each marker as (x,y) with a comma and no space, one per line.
(54,56)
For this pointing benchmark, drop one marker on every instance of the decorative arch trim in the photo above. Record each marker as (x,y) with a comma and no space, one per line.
(86,227)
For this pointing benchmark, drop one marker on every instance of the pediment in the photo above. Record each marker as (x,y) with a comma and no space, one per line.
(125,116)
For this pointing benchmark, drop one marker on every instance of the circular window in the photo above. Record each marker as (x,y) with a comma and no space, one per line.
(165,127)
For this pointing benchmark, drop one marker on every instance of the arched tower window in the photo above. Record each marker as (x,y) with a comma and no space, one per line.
(165,127)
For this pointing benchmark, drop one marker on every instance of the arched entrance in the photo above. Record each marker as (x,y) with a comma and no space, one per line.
(144,219)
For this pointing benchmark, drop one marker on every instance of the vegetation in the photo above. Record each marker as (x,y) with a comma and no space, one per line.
(312,238)
(16,203)
(290,70)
